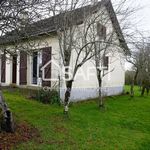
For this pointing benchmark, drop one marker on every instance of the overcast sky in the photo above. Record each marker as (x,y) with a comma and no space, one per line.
(144,14)
(142,17)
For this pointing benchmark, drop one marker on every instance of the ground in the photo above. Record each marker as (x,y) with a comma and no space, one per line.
(123,125)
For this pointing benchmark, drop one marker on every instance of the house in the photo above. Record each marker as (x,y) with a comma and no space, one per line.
(26,68)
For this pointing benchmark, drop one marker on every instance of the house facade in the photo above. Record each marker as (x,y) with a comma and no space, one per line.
(38,63)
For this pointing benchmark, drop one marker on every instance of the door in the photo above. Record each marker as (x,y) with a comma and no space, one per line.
(3,68)
(35,68)
(14,69)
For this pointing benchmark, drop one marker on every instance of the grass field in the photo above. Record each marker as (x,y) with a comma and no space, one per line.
(124,125)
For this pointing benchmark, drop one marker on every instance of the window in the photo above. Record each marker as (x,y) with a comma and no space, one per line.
(105,62)
(36,67)
(101,31)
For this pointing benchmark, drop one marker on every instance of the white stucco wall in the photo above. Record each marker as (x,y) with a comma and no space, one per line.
(113,82)
(85,87)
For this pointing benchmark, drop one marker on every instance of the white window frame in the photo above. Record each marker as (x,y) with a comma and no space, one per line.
(39,61)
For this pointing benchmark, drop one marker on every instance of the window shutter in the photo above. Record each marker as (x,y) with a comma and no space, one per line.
(46,57)
(3,68)
(23,68)
(101,31)
(106,62)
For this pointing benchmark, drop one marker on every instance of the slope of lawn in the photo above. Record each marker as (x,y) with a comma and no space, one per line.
(124,125)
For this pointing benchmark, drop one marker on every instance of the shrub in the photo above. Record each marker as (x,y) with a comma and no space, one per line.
(48,97)
(13,85)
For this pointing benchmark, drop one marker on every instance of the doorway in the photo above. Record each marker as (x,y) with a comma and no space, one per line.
(14,69)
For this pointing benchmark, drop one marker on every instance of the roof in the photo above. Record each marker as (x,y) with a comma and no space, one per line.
(50,25)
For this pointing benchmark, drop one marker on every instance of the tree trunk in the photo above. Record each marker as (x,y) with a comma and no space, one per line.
(143,91)
(101,103)
(6,119)
(147,90)
(140,85)
(67,96)
(132,89)
(133,83)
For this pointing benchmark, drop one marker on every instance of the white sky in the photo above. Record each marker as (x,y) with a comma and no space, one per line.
(142,17)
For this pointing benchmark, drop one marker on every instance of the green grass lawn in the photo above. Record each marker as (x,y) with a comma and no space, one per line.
(124,125)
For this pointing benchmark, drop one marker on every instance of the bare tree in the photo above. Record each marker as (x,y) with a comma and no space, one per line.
(109,40)
(15,15)
(139,58)
(133,58)
(145,69)
(78,37)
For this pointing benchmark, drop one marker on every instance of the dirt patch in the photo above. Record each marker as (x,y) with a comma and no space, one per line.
(23,133)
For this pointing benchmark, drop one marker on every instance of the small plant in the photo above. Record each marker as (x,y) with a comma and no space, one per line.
(48,97)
